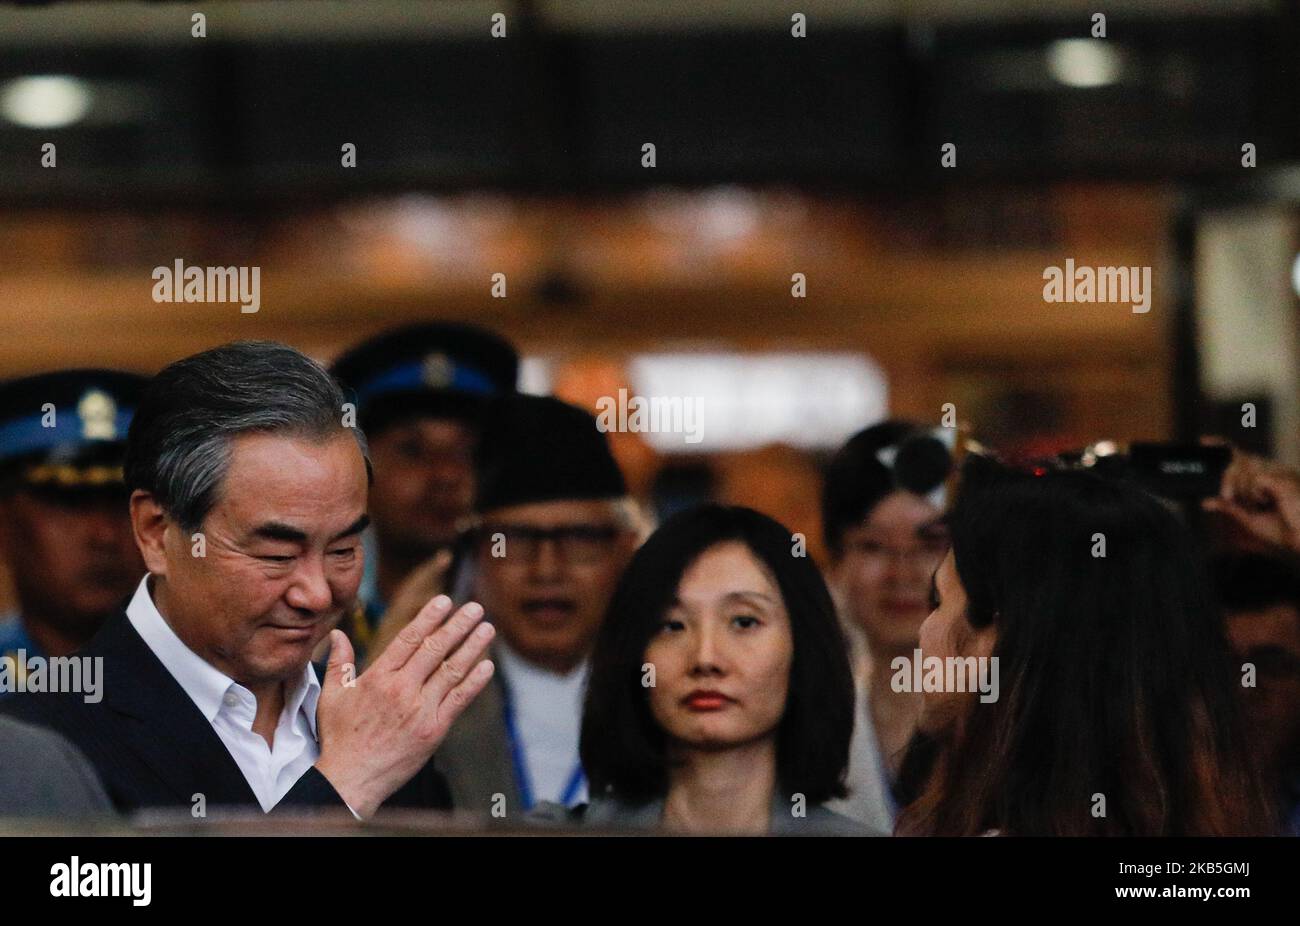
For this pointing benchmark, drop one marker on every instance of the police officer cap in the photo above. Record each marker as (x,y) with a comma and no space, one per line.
(66,430)
(438,369)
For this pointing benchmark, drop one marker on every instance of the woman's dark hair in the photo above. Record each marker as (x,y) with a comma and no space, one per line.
(1115,674)
(856,480)
(623,749)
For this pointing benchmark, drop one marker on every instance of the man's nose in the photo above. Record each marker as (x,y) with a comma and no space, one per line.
(310,590)
(447,472)
(547,561)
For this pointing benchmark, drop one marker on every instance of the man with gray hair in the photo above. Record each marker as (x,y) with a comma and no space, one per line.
(248,499)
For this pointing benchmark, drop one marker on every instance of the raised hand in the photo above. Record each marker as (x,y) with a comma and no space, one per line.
(377,730)
(1262,499)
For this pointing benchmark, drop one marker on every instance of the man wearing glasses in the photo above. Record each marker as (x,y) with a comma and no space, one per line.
(553,533)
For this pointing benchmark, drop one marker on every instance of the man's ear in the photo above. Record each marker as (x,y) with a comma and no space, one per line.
(149,523)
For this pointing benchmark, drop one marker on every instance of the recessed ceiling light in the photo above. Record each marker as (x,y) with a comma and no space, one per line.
(48,101)
(1084,62)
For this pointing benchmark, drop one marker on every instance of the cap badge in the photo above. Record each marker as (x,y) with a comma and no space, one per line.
(98,413)
(438,371)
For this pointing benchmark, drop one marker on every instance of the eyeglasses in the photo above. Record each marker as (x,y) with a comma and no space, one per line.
(581,544)
(927,553)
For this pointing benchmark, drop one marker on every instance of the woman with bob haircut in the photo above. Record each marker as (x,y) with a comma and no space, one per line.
(1115,714)
(720,698)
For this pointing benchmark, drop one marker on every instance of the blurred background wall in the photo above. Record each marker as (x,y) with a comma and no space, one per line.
(522,154)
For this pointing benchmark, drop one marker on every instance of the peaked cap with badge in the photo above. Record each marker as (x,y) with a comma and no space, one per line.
(436,369)
(65,431)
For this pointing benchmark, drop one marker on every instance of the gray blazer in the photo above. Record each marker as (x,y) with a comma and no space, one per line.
(475,757)
(43,775)
(610,813)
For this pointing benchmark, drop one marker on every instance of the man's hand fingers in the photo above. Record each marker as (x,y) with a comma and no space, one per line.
(459,665)
(1283,492)
(1246,484)
(1277,485)
(439,645)
(1231,477)
(453,704)
(410,637)
(1266,526)
(341,654)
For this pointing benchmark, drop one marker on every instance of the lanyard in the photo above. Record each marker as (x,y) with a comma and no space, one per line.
(519,760)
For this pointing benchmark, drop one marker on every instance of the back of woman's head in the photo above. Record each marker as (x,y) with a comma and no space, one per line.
(624,751)
(1116,711)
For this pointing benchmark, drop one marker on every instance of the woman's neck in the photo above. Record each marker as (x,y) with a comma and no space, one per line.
(728,791)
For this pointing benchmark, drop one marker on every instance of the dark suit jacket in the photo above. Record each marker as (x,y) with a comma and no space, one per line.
(152,746)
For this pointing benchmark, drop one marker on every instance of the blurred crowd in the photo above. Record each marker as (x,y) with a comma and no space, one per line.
(401,582)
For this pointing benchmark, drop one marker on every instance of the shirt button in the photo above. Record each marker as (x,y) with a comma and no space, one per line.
(231,699)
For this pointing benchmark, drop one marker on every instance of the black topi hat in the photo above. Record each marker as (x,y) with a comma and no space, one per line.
(537,448)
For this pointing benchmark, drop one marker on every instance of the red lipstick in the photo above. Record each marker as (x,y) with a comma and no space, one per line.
(706,700)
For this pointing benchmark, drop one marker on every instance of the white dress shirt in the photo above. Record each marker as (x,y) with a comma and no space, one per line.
(230,707)
(548,719)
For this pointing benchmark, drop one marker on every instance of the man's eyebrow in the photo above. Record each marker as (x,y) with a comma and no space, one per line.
(276,530)
(356,527)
